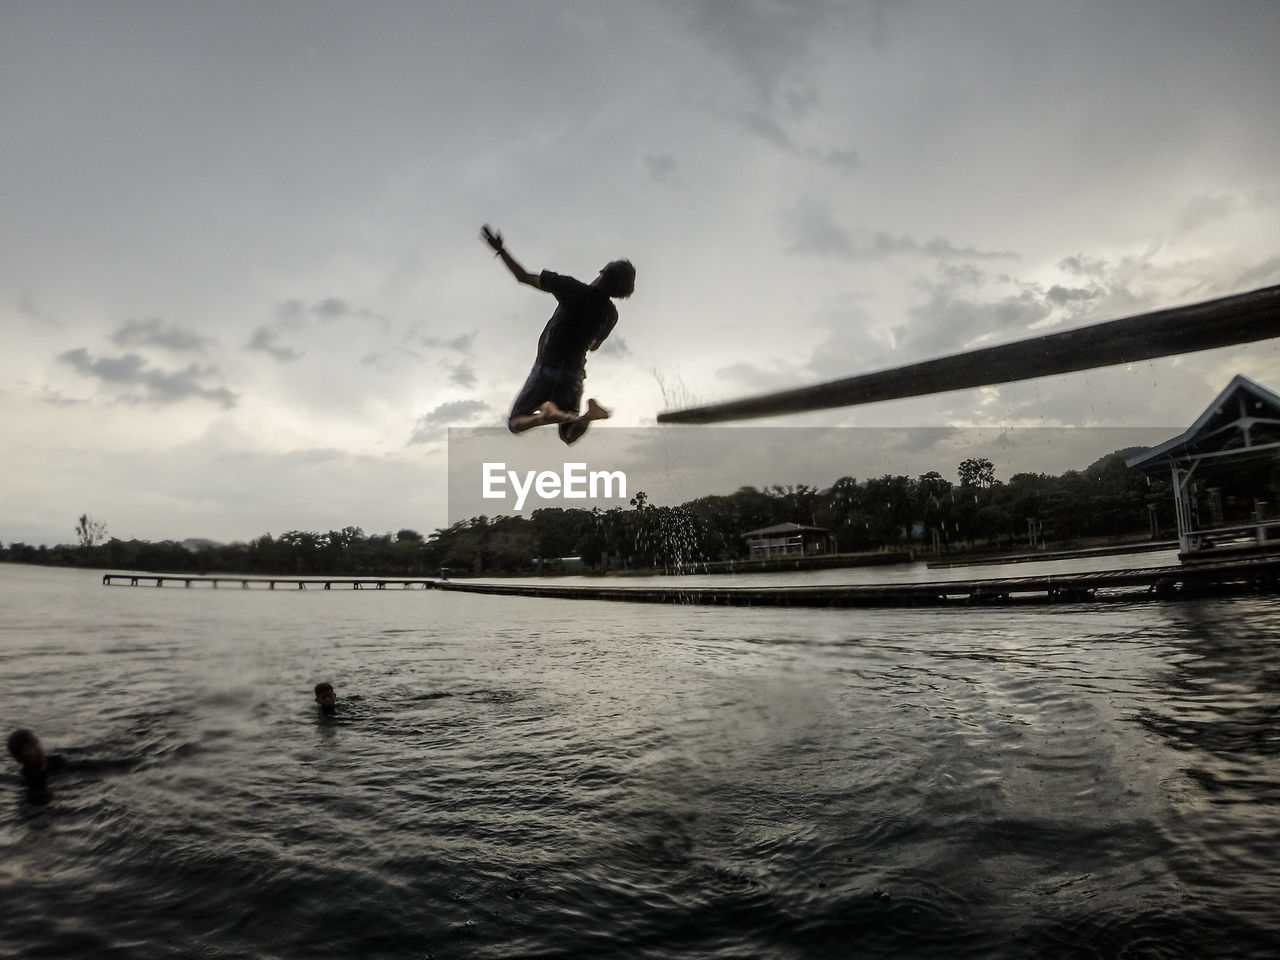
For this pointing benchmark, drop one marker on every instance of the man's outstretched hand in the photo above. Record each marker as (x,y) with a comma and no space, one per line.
(494,239)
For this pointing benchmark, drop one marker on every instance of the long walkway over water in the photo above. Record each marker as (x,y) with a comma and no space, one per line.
(1169,582)
(269,583)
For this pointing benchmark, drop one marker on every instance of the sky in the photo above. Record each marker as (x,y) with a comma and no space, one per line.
(242,288)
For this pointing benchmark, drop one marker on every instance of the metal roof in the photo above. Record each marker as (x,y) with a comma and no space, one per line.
(1224,429)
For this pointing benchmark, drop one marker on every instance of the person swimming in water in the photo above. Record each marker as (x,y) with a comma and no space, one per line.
(37,765)
(327,699)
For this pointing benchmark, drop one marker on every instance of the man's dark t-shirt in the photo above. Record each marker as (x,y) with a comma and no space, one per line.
(583,316)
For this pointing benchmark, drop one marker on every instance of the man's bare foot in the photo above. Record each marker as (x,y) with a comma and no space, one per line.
(550,413)
(595,411)
(545,414)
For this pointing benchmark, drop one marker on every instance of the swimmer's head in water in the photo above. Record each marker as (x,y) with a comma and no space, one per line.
(325,696)
(25,747)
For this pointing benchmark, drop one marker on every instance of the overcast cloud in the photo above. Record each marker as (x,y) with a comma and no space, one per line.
(242,289)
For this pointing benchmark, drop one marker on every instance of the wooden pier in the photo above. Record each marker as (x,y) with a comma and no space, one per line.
(1172,582)
(1146,584)
(269,583)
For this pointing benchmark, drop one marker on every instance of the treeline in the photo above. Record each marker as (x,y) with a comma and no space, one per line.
(891,512)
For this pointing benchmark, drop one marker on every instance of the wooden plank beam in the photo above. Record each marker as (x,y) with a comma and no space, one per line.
(1241,318)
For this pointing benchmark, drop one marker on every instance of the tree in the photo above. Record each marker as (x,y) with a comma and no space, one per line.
(977,472)
(559,531)
(933,503)
(888,505)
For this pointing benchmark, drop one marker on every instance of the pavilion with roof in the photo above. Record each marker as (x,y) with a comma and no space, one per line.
(789,540)
(1221,468)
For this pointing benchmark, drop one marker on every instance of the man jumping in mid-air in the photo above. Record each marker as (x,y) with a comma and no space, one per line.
(584,316)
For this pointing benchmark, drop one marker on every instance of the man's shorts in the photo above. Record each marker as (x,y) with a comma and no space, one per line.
(561,385)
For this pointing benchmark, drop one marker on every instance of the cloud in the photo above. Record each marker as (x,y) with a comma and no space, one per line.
(463,373)
(958,275)
(1263,274)
(842,159)
(156,333)
(883,243)
(293,316)
(1206,209)
(774,46)
(615,346)
(768,42)
(767,128)
(1081,265)
(660,167)
(854,343)
(125,369)
(462,343)
(947,323)
(53,398)
(28,307)
(814,231)
(158,387)
(752,378)
(924,439)
(943,248)
(296,314)
(332,309)
(1060,295)
(765,125)
(266,340)
(291,313)
(447,414)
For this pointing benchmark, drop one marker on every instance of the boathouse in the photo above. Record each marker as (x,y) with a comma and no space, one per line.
(1224,469)
(789,540)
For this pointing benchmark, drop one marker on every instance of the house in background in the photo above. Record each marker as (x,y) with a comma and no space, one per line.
(789,540)
(1224,470)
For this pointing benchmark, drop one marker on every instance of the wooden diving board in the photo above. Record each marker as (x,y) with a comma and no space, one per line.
(1228,321)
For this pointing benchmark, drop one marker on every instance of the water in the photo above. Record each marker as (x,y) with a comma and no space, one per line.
(540,778)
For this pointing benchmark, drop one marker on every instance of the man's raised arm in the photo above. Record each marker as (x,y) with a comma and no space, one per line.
(494,239)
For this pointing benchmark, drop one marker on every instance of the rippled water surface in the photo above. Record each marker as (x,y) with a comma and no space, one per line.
(520,777)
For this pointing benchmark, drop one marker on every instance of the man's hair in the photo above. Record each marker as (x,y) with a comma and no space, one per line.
(19,739)
(619,278)
(323,688)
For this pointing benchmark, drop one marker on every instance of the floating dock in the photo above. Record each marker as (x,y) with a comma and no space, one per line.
(1148,583)
(1173,582)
